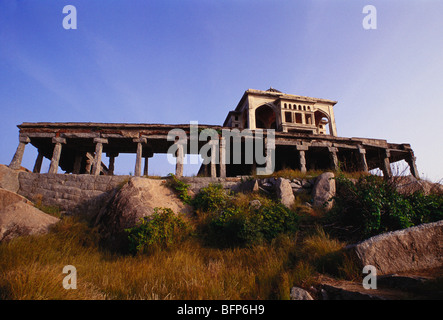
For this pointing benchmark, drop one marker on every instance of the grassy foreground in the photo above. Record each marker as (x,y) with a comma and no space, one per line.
(231,250)
(31,268)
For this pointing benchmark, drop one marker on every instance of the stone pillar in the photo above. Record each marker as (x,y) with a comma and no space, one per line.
(97,163)
(386,165)
(334,159)
(77,164)
(222,157)
(16,161)
(179,161)
(88,166)
(38,163)
(146,166)
(56,154)
(412,165)
(214,145)
(363,162)
(138,161)
(111,165)
(301,151)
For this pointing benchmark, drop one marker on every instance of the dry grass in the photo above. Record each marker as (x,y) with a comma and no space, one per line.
(31,267)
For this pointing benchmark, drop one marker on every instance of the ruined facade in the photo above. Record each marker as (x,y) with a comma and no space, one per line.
(305,138)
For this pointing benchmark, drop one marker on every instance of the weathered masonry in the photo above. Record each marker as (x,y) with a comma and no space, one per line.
(305,138)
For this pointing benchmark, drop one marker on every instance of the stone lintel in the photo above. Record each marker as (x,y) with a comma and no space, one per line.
(40,134)
(80,135)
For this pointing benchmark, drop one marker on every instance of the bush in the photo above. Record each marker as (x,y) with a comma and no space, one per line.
(162,230)
(211,199)
(180,188)
(231,223)
(373,205)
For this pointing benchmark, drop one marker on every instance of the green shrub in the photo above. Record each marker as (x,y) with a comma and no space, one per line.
(180,188)
(162,230)
(234,225)
(212,198)
(373,205)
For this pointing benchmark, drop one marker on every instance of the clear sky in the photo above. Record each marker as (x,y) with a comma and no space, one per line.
(175,61)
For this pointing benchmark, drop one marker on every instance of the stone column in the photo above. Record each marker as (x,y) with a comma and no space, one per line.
(97,164)
(334,159)
(412,165)
(214,145)
(386,165)
(111,164)
(77,164)
(138,161)
(222,157)
(301,151)
(363,162)
(16,161)
(88,165)
(179,161)
(146,166)
(38,163)
(56,154)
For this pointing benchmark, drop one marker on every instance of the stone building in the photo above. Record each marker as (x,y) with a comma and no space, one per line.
(305,138)
(272,109)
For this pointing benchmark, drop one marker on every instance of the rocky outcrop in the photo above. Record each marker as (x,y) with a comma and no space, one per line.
(18,217)
(300,294)
(9,178)
(135,200)
(284,192)
(415,248)
(323,191)
(410,184)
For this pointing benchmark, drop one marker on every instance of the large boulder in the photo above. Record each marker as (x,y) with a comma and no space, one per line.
(415,248)
(324,190)
(8,197)
(300,294)
(284,192)
(135,200)
(18,217)
(409,185)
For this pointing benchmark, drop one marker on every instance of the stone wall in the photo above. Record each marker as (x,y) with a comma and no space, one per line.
(70,192)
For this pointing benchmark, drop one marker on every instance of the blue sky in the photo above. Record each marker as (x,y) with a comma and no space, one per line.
(175,61)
